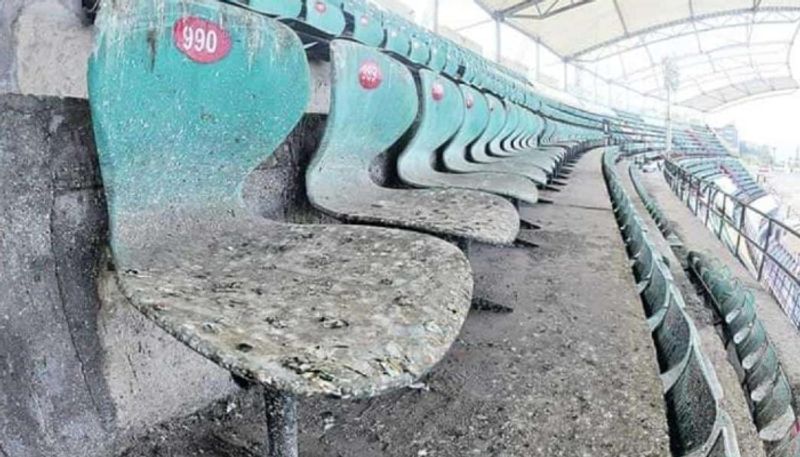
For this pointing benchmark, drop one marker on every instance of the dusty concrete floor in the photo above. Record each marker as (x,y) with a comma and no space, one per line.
(570,372)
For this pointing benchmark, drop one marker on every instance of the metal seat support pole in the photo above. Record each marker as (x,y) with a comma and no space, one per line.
(281,411)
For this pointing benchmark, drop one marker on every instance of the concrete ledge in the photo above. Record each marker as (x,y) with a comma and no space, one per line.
(78,378)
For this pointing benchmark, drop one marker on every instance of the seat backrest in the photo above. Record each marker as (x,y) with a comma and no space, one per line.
(512,121)
(776,404)
(656,295)
(672,336)
(471,63)
(762,370)
(367,27)
(420,52)
(184,110)
(454,60)
(275,8)
(439,53)
(497,119)
(373,103)
(440,116)
(753,341)
(550,134)
(646,262)
(534,125)
(509,143)
(325,17)
(531,128)
(743,318)
(398,39)
(476,118)
(692,408)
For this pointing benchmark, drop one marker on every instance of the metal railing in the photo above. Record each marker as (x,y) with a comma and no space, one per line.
(754,237)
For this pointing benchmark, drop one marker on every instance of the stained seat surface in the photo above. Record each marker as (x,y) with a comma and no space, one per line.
(452,212)
(335,310)
(374,102)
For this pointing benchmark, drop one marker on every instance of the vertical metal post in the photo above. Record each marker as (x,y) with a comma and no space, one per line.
(686,190)
(498,35)
(741,228)
(669,121)
(281,411)
(709,203)
(723,215)
(697,197)
(688,193)
(436,16)
(766,250)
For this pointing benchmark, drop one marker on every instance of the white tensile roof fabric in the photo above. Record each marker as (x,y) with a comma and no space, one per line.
(724,50)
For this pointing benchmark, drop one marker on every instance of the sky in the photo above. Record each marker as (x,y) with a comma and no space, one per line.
(773,120)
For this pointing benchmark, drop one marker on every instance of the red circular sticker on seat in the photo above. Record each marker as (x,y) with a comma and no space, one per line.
(370,75)
(470,102)
(437,92)
(201,40)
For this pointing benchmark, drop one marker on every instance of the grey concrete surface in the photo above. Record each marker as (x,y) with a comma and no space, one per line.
(697,237)
(570,372)
(733,399)
(53,397)
(81,376)
(8,11)
(45,46)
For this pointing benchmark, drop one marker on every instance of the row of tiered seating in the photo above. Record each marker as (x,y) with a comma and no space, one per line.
(639,136)
(651,205)
(692,139)
(768,391)
(698,424)
(636,135)
(699,154)
(189,96)
(711,168)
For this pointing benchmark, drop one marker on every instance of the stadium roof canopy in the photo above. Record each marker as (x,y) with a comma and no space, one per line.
(724,50)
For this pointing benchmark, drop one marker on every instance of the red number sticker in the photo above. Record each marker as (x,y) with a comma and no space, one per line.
(201,40)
